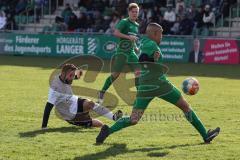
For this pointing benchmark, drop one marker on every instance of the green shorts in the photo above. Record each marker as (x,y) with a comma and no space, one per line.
(172,97)
(122,59)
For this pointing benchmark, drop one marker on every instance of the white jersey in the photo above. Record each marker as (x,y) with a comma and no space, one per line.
(61,96)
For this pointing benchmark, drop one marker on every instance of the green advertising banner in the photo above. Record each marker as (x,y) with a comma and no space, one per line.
(104,46)
(176,49)
(25,44)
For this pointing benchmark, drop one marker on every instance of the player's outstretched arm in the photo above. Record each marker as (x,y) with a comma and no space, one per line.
(46,114)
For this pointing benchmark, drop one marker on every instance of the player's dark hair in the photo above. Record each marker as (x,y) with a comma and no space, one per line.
(132,5)
(68,67)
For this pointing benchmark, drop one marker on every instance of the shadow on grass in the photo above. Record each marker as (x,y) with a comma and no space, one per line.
(120,149)
(49,130)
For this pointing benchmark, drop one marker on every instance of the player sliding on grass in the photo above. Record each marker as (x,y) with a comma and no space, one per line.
(153,83)
(126,30)
(69,107)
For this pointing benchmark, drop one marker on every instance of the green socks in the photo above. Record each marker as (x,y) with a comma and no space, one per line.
(195,121)
(107,83)
(120,124)
(191,117)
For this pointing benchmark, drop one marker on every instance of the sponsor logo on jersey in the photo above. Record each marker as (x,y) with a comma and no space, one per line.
(125,45)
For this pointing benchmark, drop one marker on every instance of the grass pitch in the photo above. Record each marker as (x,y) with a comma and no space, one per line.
(162,134)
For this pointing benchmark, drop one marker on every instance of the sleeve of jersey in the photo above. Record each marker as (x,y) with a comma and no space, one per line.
(155,48)
(152,49)
(46,114)
(121,25)
(52,96)
(147,56)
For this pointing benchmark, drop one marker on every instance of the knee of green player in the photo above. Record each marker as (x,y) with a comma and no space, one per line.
(137,73)
(134,121)
(115,75)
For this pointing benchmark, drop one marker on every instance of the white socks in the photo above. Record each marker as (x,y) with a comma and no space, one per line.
(103,111)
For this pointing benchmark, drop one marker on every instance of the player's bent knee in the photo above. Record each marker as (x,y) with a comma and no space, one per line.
(137,73)
(134,121)
(91,104)
(88,104)
(115,75)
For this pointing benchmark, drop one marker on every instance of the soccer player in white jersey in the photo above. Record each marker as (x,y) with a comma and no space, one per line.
(69,107)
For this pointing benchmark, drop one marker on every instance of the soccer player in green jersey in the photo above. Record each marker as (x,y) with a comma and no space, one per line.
(126,30)
(154,83)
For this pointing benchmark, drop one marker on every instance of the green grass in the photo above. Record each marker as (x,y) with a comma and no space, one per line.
(24,89)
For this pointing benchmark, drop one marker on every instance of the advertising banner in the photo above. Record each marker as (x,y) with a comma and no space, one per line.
(221,51)
(175,49)
(28,44)
(103,46)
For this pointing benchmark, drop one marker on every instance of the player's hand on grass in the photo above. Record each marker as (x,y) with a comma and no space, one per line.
(78,73)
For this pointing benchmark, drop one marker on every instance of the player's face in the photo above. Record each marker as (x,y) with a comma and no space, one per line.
(158,37)
(69,77)
(133,14)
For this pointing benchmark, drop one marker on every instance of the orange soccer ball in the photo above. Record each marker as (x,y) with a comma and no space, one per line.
(190,86)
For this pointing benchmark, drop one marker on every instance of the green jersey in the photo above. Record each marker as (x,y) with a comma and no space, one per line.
(151,71)
(149,47)
(153,81)
(126,26)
